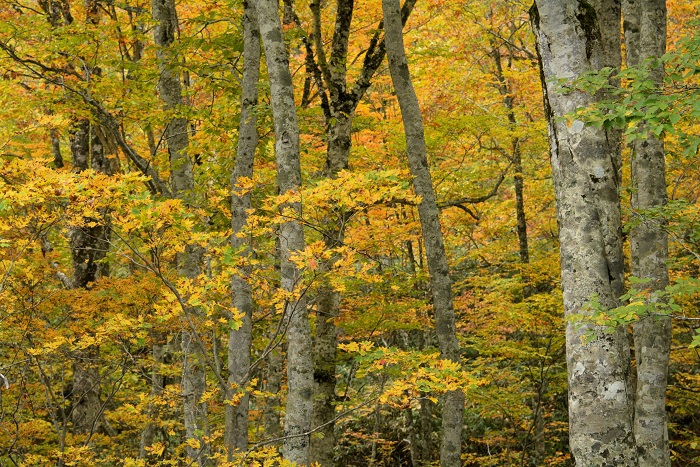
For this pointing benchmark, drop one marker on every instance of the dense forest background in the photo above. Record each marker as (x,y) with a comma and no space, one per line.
(146,236)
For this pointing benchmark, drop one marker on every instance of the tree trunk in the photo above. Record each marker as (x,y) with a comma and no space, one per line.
(574,37)
(89,246)
(273,384)
(339,108)
(182,183)
(325,349)
(299,352)
(339,125)
(440,283)
(506,93)
(157,387)
(240,339)
(645,37)
(56,148)
(170,92)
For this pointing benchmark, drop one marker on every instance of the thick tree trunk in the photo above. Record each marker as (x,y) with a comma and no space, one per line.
(573,37)
(300,369)
(240,339)
(645,37)
(440,282)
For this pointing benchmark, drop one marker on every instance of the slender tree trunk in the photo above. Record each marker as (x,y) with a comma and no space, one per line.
(325,348)
(182,183)
(505,91)
(520,203)
(157,387)
(440,282)
(338,106)
(89,246)
(240,339)
(645,38)
(337,156)
(340,111)
(170,92)
(573,37)
(56,148)
(273,385)
(297,422)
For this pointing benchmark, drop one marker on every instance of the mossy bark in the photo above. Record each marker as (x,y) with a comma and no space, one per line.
(575,37)
(645,38)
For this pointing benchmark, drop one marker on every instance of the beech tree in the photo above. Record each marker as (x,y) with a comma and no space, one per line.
(338,100)
(645,43)
(176,133)
(297,420)
(240,340)
(575,37)
(331,248)
(440,282)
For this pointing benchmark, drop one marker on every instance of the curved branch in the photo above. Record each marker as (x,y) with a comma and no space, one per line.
(479,199)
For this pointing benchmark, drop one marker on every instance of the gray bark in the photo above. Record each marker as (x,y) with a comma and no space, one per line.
(169,87)
(240,339)
(299,353)
(170,92)
(325,349)
(193,383)
(340,112)
(273,385)
(573,37)
(440,282)
(645,37)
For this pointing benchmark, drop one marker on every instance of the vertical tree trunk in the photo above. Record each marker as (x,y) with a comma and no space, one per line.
(573,37)
(339,109)
(157,387)
(182,182)
(337,156)
(340,112)
(645,37)
(56,148)
(520,203)
(89,245)
(440,283)
(240,339)
(274,369)
(170,92)
(273,385)
(299,352)
(325,348)
(505,91)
